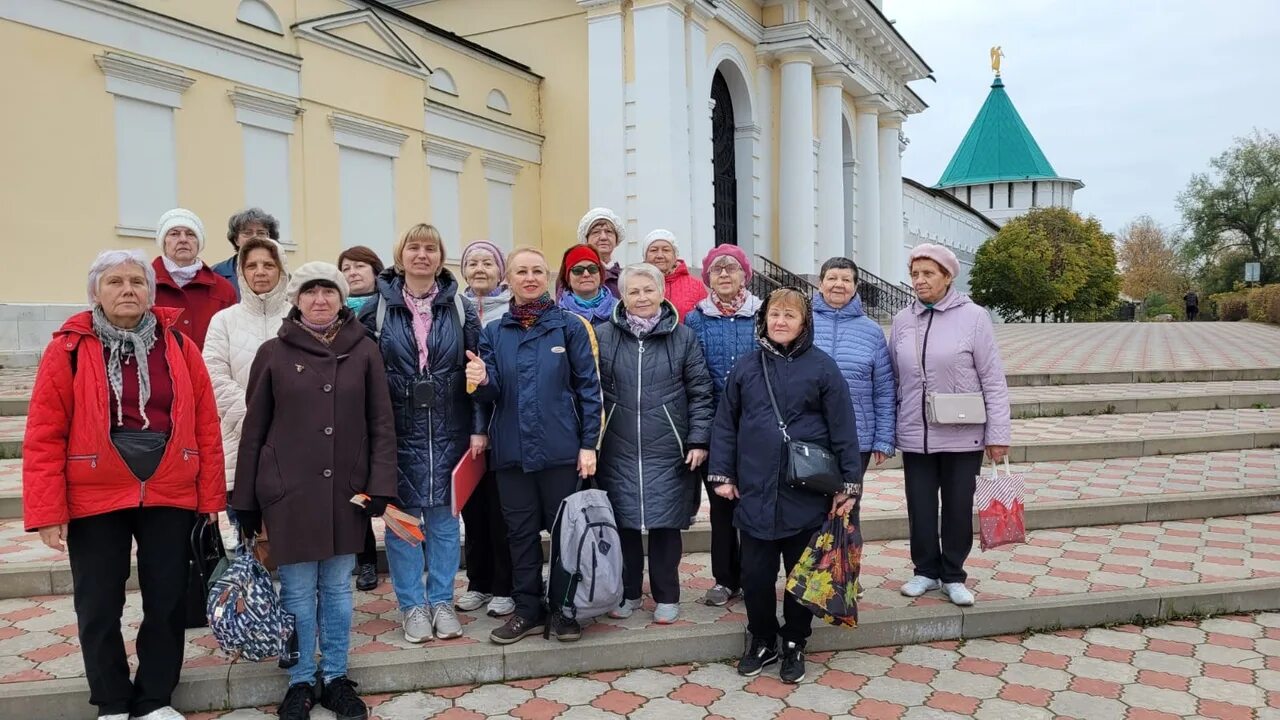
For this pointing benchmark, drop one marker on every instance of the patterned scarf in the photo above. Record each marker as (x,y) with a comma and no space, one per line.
(420,309)
(643,326)
(529,313)
(733,306)
(324,333)
(121,345)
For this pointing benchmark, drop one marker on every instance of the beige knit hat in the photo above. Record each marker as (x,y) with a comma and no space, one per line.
(316,271)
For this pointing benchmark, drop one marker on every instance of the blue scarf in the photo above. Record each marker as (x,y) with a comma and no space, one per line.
(599,308)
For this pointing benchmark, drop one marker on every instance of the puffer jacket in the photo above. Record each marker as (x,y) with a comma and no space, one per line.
(658,406)
(724,339)
(490,307)
(957,346)
(227,270)
(71,469)
(857,344)
(683,290)
(429,441)
(234,336)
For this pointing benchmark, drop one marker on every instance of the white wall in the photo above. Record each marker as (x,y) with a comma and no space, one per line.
(367,187)
(935,220)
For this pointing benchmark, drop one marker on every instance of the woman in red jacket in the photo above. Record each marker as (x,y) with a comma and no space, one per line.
(123,445)
(683,290)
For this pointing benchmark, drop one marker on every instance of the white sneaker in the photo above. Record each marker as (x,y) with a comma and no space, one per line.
(446,621)
(919,585)
(114,716)
(417,625)
(623,611)
(472,601)
(666,613)
(164,713)
(958,593)
(501,606)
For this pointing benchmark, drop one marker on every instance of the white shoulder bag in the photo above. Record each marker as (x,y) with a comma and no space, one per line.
(948,408)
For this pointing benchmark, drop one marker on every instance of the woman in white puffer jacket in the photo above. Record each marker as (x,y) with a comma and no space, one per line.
(236,333)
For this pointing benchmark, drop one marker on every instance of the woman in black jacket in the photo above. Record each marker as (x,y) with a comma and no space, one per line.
(747,453)
(658,409)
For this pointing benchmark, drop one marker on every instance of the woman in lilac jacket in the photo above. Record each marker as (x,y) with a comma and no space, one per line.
(943,343)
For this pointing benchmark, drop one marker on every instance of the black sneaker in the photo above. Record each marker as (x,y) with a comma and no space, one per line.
(367,579)
(792,670)
(339,696)
(297,702)
(515,630)
(565,629)
(761,653)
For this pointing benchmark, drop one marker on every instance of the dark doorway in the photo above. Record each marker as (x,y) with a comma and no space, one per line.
(726,167)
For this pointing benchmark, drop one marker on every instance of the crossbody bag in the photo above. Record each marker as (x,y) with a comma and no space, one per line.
(948,408)
(809,466)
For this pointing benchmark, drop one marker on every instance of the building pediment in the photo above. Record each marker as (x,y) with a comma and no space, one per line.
(364,34)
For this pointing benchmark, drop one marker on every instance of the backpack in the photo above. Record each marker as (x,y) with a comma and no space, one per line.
(380,317)
(246,615)
(586,548)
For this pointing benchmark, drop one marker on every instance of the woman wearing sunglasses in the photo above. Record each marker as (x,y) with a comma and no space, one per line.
(581,285)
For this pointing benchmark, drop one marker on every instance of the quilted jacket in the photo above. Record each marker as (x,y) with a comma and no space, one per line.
(70,468)
(229,348)
(857,344)
(724,340)
(684,290)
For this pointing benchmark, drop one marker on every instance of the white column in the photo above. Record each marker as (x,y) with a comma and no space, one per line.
(606,124)
(768,185)
(795,164)
(701,173)
(830,167)
(892,254)
(662,122)
(868,150)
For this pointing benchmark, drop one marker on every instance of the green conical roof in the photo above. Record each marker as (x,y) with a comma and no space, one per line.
(997,148)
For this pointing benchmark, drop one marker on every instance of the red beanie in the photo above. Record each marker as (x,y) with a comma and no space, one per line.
(576,254)
(728,250)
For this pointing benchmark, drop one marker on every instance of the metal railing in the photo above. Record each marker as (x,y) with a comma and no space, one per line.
(880,299)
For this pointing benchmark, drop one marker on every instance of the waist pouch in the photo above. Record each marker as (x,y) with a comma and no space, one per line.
(141,450)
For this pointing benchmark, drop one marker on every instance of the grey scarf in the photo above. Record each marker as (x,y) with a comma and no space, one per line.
(120,345)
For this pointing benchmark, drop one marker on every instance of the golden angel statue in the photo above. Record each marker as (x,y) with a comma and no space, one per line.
(996,54)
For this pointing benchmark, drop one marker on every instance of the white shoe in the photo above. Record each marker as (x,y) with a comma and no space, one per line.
(958,593)
(472,601)
(114,716)
(417,625)
(624,611)
(501,606)
(919,585)
(666,613)
(164,713)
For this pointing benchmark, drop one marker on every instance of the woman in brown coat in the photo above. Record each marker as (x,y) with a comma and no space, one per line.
(318,429)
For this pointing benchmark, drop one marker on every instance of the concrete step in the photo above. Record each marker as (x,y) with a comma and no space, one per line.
(1059,400)
(1059,578)
(1111,377)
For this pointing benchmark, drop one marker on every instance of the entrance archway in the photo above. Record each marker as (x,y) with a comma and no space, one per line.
(736,143)
(725,167)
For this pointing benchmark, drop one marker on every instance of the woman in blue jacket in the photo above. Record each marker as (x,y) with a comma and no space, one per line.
(747,451)
(423,329)
(725,323)
(538,366)
(857,344)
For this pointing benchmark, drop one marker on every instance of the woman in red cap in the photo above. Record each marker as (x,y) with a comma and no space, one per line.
(581,285)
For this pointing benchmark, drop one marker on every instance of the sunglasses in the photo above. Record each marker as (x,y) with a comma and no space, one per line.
(580,270)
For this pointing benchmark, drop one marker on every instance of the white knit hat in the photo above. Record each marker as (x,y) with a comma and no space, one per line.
(179,217)
(657,235)
(313,271)
(595,214)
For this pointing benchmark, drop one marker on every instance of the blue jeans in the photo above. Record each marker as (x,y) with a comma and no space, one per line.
(319,594)
(440,552)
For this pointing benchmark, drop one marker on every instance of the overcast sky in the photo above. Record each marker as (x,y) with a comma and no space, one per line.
(1129,96)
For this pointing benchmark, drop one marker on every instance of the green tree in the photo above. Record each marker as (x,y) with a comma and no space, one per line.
(1049,261)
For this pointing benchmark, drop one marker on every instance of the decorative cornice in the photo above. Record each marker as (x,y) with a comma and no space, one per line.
(501,169)
(737,20)
(142,79)
(365,134)
(265,111)
(444,154)
(403,60)
(488,134)
(750,130)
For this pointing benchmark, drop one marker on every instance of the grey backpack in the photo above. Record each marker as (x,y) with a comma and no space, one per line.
(586,549)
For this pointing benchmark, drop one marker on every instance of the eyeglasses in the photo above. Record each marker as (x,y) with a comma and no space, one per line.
(580,270)
(725,269)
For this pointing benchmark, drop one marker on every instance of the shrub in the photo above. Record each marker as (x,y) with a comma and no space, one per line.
(1231,306)
(1267,300)
(1156,304)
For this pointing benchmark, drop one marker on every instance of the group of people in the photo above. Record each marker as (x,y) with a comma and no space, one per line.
(304,403)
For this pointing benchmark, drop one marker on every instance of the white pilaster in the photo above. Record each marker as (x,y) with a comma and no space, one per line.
(830,168)
(892,254)
(662,125)
(768,180)
(606,125)
(868,150)
(701,170)
(795,164)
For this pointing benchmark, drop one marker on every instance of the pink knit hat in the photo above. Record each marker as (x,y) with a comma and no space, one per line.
(943,256)
(726,250)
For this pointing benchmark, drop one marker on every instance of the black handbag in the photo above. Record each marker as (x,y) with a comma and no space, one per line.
(205,564)
(806,465)
(141,450)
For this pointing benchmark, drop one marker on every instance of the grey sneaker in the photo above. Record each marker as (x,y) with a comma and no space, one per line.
(472,601)
(623,611)
(666,613)
(719,596)
(501,606)
(446,621)
(417,625)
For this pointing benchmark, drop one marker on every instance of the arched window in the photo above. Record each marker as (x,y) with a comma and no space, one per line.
(441,80)
(260,15)
(498,101)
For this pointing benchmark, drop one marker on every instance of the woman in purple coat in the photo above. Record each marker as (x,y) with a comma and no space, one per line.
(941,344)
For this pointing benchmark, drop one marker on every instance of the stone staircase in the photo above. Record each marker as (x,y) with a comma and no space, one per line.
(1152,492)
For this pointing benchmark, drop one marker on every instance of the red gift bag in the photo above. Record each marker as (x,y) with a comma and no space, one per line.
(1000,513)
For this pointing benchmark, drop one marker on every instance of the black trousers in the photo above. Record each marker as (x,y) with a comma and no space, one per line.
(369,555)
(529,504)
(488,557)
(759,587)
(1192,312)
(953,477)
(664,564)
(99,548)
(726,547)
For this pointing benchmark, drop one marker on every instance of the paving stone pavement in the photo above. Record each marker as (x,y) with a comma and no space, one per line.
(38,634)
(1130,391)
(1226,667)
(1145,426)
(1104,347)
